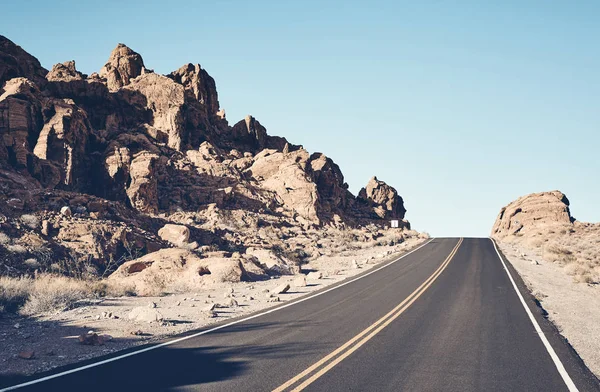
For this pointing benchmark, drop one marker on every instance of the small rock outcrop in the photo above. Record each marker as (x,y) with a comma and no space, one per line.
(537,211)
(123,65)
(64,72)
(384,199)
(17,63)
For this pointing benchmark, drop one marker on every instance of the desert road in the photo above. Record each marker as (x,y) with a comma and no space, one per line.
(446,317)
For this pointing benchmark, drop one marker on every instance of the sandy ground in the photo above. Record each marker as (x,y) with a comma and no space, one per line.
(573,307)
(54,337)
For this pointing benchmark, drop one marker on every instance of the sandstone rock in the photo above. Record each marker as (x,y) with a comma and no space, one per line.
(91,339)
(314,275)
(145,314)
(65,72)
(300,281)
(200,84)
(178,266)
(15,62)
(143,189)
(66,211)
(249,134)
(46,227)
(123,65)
(534,212)
(282,289)
(27,354)
(384,199)
(164,99)
(63,141)
(286,174)
(178,235)
(232,303)
(271,261)
(20,121)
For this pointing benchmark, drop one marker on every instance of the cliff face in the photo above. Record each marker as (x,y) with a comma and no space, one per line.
(130,145)
(128,134)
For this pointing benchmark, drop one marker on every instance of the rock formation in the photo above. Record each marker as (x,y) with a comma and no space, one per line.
(123,65)
(383,199)
(537,211)
(128,151)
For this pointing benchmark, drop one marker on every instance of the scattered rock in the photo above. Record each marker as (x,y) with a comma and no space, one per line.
(282,289)
(178,235)
(91,339)
(27,355)
(145,314)
(232,303)
(66,211)
(314,275)
(300,281)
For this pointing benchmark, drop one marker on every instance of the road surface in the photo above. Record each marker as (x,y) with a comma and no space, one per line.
(446,317)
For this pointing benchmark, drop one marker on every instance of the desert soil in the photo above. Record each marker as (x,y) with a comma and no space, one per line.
(571,306)
(53,338)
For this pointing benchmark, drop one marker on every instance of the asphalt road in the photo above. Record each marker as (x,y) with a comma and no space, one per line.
(444,318)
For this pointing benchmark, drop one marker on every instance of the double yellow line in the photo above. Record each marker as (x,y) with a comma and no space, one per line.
(320,367)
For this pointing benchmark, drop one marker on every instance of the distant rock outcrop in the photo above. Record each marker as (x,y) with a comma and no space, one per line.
(123,65)
(537,211)
(384,199)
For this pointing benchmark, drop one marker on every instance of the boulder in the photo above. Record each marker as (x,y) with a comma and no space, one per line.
(532,213)
(145,314)
(176,266)
(177,235)
(123,65)
(281,289)
(384,200)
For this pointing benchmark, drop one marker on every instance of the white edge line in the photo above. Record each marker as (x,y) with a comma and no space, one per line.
(559,366)
(91,365)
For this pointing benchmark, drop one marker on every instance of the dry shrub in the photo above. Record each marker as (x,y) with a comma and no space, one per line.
(14,292)
(50,292)
(31,221)
(43,293)
(4,239)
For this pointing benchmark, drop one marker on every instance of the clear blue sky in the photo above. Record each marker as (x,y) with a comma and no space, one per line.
(462,106)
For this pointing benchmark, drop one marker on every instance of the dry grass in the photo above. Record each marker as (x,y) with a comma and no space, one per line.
(577,249)
(50,292)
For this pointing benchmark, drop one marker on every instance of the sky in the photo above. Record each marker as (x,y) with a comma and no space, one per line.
(462,106)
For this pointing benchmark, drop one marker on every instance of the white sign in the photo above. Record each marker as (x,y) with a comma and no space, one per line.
(395,223)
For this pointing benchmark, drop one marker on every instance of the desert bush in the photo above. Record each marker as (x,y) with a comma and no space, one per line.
(4,239)
(42,293)
(31,221)
(14,292)
(18,249)
(49,293)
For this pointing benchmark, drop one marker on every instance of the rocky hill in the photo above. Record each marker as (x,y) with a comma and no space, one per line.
(99,169)
(541,224)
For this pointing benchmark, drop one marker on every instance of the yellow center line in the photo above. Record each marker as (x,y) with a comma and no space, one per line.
(381,323)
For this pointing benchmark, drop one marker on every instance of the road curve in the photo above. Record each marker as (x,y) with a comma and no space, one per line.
(445,317)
